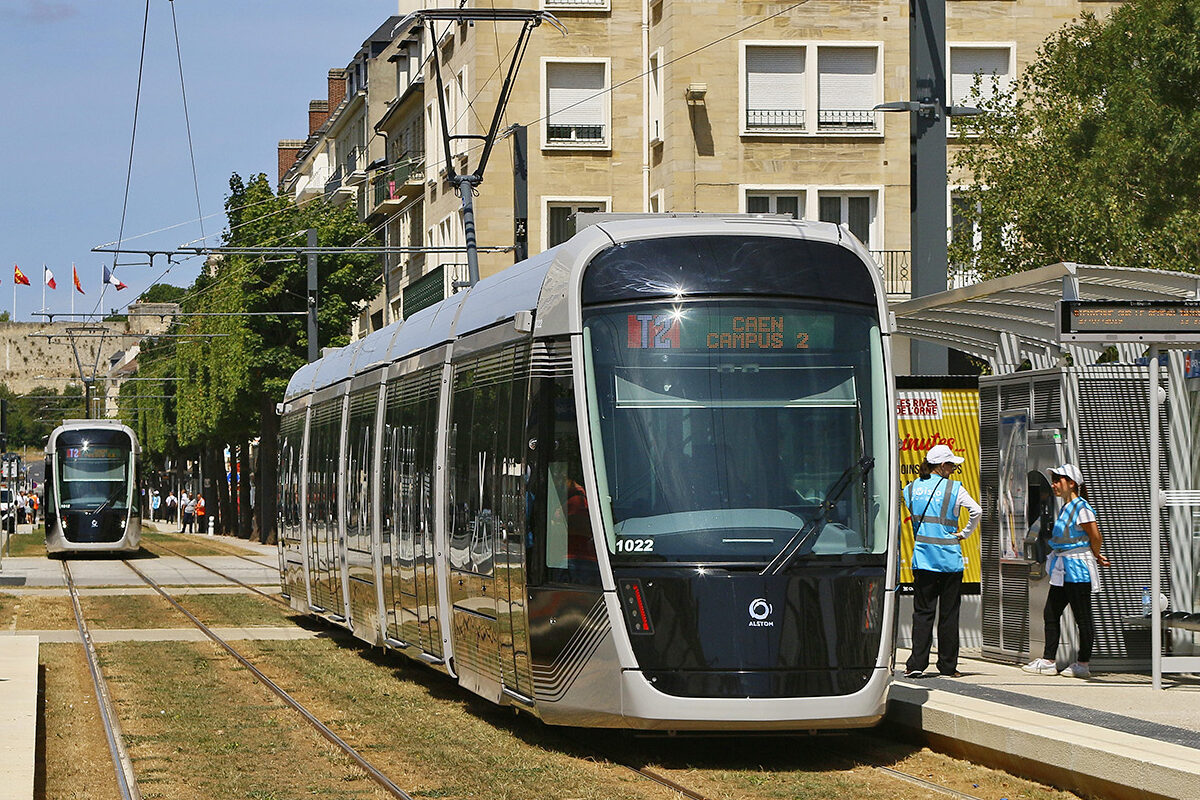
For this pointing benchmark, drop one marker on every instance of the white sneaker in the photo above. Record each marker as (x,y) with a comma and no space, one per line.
(1040,666)
(1076,670)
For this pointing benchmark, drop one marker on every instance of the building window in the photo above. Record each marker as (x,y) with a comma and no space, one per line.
(847,87)
(657,204)
(560,217)
(856,210)
(789,202)
(580,5)
(577,103)
(775,89)
(991,66)
(656,97)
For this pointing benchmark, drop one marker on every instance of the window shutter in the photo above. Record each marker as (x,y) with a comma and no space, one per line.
(774,79)
(575,94)
(965,63)
(846,80)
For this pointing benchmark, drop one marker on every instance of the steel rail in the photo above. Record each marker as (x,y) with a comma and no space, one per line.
(644,772)
(859,761)
(231,550)
(220,574)
(122,765)
(296,706)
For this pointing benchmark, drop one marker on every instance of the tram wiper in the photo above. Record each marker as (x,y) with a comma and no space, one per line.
(111,498)
(815,525)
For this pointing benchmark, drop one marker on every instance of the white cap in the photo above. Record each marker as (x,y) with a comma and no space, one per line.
(1069,470)
(941,454)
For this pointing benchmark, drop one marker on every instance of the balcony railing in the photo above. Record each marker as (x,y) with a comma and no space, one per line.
(775,120)
(334,183)
(847,120)
(355,160)
(590,134)
(896,269)
(389,184)
(895,266)
(574,3)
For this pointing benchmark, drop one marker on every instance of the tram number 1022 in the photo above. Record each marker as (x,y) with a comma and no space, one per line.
(635,545)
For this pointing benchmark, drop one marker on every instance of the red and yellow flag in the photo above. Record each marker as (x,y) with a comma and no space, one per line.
(75,275)
(19,277)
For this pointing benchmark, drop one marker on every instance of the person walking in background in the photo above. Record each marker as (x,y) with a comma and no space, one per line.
(189,514)
(201,515)
(1071,565)
(172,504)
(155,504)
(934,501)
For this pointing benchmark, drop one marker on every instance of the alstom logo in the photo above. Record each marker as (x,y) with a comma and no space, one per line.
(760,610)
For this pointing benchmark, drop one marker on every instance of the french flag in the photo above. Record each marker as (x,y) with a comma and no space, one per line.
(112,279)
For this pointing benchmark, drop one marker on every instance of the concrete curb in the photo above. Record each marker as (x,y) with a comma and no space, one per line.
(1094,761)
(18,715)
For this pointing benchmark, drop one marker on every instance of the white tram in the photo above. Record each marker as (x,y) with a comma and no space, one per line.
(92,495)
(644,479)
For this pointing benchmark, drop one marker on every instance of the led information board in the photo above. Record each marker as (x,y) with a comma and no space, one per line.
(1147,321)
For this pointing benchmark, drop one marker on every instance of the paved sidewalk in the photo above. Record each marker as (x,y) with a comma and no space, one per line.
(18,715)
(1111,736)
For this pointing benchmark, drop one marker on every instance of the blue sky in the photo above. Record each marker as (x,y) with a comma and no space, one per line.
(69,70)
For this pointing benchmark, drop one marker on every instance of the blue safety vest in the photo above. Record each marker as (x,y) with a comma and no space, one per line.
(1069,538)
(935,525)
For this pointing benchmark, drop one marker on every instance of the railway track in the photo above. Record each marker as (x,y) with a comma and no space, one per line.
(122,765)
(367,767)
(218,573)
(127,782)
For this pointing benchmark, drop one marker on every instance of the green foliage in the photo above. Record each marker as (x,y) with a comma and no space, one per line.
(1094,155)
(236,360)
(163,293)
(33,416)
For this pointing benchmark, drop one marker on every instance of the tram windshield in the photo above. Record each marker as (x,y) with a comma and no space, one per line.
(722,429)
(93,470)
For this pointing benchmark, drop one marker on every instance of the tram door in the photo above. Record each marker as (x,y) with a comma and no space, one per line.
(486,516)
(360,511)
(291,555)
(408,459)
(324,449)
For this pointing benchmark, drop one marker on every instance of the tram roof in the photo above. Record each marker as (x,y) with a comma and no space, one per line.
(1009,319)
(494,299)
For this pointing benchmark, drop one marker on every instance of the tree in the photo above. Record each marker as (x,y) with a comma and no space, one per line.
(236,369)
(163,293)
(1093,155)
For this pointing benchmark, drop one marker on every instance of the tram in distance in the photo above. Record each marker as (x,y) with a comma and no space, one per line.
(92,501)
(641,480)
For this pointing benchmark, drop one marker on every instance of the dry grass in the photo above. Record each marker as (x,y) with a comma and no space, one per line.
(77,764)
(190,544)
(27,545)
(146,611)
(31,612)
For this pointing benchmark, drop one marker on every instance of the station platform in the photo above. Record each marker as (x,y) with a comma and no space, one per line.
(1112,736)
(18,715)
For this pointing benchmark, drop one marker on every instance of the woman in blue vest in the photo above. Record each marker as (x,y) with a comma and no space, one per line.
(934,501)
(1074,554)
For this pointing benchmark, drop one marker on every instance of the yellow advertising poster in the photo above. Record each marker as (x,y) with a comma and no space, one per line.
(928,417)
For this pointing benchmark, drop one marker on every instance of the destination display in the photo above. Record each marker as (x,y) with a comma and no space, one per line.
(96,452)
(697,329)
(1129,320)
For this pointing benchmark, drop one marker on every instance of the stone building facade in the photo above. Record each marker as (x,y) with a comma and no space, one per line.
(647,106)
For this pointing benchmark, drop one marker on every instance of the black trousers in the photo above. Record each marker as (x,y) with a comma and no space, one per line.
(1079,597)
(935,594)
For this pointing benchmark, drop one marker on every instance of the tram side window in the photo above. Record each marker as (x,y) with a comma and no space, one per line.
(487,470)
(360,458)
(562,548)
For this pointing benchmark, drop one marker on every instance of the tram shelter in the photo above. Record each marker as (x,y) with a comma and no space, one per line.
(1050,400)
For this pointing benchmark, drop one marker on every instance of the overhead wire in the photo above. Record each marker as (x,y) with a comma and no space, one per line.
(187,122)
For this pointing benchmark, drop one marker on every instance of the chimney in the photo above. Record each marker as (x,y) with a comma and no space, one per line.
(318,112)
(337,88)
(289,150)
